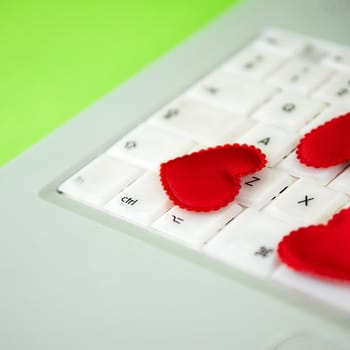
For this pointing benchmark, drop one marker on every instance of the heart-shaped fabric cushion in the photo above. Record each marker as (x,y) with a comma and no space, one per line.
(326,145)
(322,250)
(209,179)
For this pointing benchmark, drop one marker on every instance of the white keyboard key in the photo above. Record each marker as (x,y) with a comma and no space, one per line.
(193,228)
(331,112)
(345,206)
(232,92)
(336,90)
(274,142)
(331,292)
(249,242)
(313,53)
(281,42)
(300,76)
(288,111)
(149,146)
(143,202)
(100,180)
(259,188)
(322,176)
(254,62)
(339,60)
(342,182)
(306,203)
(204,123)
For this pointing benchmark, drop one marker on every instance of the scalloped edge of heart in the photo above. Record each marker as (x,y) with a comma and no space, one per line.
(235,181)
(302,155)
(289,258)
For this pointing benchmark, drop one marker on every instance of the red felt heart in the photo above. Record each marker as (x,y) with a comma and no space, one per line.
(322,250)
(209,179)
(326,145)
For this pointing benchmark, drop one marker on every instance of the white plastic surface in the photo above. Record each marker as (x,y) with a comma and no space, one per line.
(339,59)
(232,92)
(200,121)
(320,175)
(249,242)
(288,111)
(329,113)
(337,90)
(100,180)
(332,292)
(192,228)
(258,189)
(306,203)
(282,42)
(255,62)
(273,141)
(300,76)
(342,182)
(142,202)
(149,146)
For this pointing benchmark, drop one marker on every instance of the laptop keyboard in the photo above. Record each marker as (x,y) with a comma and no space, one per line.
(269,94)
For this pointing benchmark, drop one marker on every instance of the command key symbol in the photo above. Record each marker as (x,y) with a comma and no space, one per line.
(263,251)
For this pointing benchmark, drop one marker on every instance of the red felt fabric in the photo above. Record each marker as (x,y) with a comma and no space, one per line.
(209,179)
(322,250)
(326,145)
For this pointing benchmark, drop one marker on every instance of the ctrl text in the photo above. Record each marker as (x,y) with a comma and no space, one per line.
(129,200)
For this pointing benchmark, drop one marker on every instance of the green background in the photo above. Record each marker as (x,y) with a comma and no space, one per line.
(57,57)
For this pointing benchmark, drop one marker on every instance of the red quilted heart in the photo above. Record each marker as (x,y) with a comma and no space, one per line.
(327,145)
(322,250)
(209,179)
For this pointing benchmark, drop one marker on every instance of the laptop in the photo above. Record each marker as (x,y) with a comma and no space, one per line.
(94,255)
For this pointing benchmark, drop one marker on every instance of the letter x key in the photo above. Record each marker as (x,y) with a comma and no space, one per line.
(306,200)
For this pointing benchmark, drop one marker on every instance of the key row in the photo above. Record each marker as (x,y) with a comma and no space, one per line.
(310,49)
(244,96)
(302,67)
(123,164)
(155,142)
(295,203)
(295,75)
(211,125)
(129,191)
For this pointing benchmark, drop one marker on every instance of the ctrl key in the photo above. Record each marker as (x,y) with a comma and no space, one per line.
(142,202)
(100,180)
